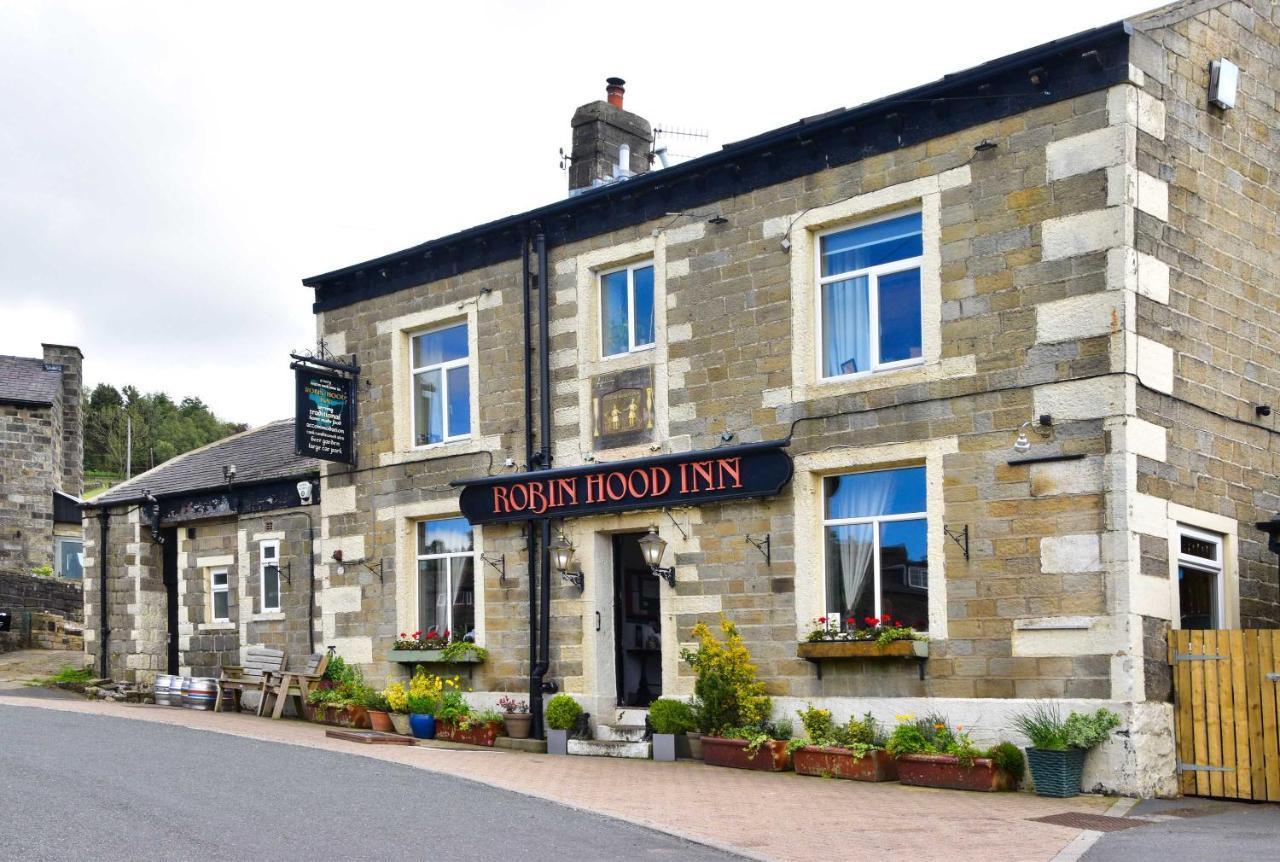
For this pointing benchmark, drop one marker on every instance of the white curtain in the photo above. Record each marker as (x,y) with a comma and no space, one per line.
(846,326)
(861,495)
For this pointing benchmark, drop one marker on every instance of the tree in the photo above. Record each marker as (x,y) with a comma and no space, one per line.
(161,429)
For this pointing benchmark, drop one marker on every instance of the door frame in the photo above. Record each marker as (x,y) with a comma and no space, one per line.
(169,574)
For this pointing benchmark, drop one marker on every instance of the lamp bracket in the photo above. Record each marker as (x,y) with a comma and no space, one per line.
(576,579)
(287,571)
(668,574)
(364,563)
(960,537)
(499,565)
(764,546)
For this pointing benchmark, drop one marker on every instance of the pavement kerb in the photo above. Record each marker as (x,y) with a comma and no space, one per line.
(1083,842)
(780,843)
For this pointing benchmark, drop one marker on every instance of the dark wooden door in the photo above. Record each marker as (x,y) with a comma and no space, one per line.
(637,624)
(169,572)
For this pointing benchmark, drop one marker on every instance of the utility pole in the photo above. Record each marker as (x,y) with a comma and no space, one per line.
(128,447)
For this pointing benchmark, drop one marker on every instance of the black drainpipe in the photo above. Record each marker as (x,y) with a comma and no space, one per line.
(544,405)
(531,542)
(104,632)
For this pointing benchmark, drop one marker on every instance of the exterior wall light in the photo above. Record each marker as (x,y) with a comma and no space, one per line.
(1023,444)
(653,547)
(561,554)
(304,492)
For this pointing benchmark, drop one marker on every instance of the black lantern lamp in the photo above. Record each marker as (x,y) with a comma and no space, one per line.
(653,546)
(562,558)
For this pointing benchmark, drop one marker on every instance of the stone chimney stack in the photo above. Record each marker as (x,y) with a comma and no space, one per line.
(70,411)
(600,131)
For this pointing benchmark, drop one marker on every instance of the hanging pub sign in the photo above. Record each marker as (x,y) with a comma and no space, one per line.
(684,479)
(324,416)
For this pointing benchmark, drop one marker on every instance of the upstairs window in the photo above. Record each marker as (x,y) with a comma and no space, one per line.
(446,578)
(877,547)
(269,574)
(441,386)
(869,296)
(1200,586)
(626,310)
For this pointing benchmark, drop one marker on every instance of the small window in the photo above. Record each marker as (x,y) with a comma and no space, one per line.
(441,386)
(446,579)
(1200,582)
(869,299)
(70,559)
(877,548)
(269,574)
(626,310)
(221,597)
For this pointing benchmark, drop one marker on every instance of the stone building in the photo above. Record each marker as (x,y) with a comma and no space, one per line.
(41,462)
(1014,332)
(207,553)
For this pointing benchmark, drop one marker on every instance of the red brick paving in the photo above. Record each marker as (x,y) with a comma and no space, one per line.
(774,816)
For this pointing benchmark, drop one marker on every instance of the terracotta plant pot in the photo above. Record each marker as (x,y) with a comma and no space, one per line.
(344,716)
(381,721)
(842,763)
(943,770)
(400,721)
(475,734)
(771,756)
(518,724)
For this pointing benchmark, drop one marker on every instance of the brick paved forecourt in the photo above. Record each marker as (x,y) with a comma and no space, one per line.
(767,816)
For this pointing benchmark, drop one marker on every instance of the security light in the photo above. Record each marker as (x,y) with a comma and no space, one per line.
(304,492)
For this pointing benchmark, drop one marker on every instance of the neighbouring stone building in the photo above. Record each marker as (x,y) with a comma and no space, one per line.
(207,553)
(41,462)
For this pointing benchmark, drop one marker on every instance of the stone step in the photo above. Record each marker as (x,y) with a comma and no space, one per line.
(609,748)
(620,732)
(629,715)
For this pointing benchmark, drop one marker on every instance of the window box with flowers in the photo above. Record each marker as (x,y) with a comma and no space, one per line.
(877,638)
(433,648)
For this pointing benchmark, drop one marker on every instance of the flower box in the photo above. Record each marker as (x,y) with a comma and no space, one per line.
(428,656)
(771,756)
(815,650)
(475,734)
(943,770)
(827,762)
(342,716)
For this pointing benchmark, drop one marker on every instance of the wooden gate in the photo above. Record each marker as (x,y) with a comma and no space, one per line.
(1226,688)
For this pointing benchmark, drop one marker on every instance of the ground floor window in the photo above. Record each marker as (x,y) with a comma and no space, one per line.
(876,544)
(269,574)
(219,588)
(446,578)
(69,558)
(1200,585)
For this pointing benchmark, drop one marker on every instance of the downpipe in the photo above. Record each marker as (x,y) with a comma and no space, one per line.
(104,632)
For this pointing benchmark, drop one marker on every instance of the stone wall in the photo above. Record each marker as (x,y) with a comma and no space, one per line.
(22,592)
(28,471)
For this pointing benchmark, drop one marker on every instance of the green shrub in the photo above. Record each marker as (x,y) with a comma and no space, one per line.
(453,707)
(818,725)
(671,716)
(1008,757)
(1088,731)
(726,683)
(374,699)
(419,704)
(1043,726)
(563,712)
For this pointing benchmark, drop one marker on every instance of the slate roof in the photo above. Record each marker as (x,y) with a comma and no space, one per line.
(259,455)
(24,380)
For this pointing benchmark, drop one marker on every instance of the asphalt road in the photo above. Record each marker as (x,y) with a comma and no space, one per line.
(1198,830)
(92,787)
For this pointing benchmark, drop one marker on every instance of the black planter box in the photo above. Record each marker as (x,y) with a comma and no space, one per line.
(1056,773)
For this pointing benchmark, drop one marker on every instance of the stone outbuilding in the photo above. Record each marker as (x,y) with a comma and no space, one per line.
(41,462)
(208,553)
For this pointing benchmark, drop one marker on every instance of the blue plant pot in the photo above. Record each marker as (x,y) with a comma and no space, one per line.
(423,726)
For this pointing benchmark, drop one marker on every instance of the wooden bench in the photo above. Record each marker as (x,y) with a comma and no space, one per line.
(259,664)
(294,682)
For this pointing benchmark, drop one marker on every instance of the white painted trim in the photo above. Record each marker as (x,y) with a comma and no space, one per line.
(262,576)
(632,346)
(406,518)
(214,589)
(1229,583)
(810,468)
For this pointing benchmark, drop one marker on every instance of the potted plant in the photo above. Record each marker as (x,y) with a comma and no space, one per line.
(375,703)
(932,754)
(1058,747)
(422,720)
(563,713)
(854,750)
(475,727)
(398,707)
(734,709)
(451,711)
(516,717)
(669,718)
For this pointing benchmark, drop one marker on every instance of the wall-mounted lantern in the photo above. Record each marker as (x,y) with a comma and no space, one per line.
(653,547)
(562,557)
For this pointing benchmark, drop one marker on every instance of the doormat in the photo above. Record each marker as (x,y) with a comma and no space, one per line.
(369,737)
(1094,822)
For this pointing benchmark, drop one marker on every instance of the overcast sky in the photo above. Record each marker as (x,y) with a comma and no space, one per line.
(169,172)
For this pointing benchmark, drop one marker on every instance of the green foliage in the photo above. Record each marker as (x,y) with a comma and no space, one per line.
(43,571)
(1087,731)
(374,699)
(671,716)
(161,428)
(563,712)
(1008,757)
(1044,726)
(420,704)
(453,707)
(934,734)
(758,734)
(463,651)
(328,697)
(69,675)
(858,735)
(486,716)
(396,697)
(818,725)
(726,684)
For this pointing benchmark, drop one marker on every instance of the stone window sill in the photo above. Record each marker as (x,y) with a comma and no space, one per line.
(267,617)
(442,450)
(217,627)
(955,366)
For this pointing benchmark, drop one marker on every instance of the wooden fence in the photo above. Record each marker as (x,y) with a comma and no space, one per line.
(1226,702)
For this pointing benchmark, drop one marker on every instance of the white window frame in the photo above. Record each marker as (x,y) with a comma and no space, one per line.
(445,368)
(630,269)
(214,589)
(1200,564)
(58,542)
(450,556)
(875,521)
(873,275)
(274,544)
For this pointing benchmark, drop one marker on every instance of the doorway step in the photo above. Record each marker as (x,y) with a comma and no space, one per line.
(623,738)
